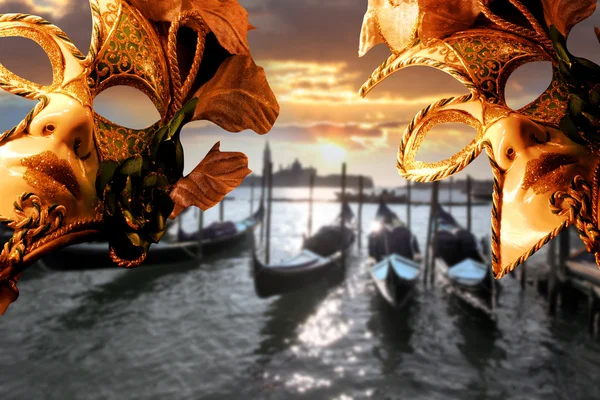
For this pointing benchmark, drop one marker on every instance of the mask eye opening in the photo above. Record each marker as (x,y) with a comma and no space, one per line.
(527,83)
(126,106)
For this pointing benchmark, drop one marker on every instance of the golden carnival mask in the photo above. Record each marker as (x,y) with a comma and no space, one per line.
(68,173)
(544,156)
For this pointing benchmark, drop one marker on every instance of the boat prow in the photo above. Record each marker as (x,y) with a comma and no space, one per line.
(297,272)
(395,277)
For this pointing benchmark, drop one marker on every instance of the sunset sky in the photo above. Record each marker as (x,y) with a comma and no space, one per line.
(309,51)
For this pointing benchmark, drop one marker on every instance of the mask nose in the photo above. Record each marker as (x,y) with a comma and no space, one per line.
(65,121)
(517,136)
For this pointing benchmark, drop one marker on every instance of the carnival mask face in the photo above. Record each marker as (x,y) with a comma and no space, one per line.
(534,162)
(539,156)
(67,172)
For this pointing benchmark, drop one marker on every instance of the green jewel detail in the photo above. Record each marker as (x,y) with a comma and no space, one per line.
(582,121)
(136,192)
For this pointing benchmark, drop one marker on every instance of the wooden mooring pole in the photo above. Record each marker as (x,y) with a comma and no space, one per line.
(408,204)
(435,205)
(553,281)
(262,202)
(222,210)
(360,205)
(428,241)
(311,184)
(469,203)
(450,194)
(523,268)
(251,197)
(342,224)
(199,236)
(269,212)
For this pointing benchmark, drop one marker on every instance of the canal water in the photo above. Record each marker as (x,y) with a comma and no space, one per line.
(198,331)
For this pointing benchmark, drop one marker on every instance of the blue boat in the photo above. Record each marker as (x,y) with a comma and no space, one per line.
(395,278)
(395,253)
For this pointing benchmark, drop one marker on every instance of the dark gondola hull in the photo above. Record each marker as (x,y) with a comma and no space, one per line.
(393,250)
(272,280)
(321,258)
(95,255)
(462,265)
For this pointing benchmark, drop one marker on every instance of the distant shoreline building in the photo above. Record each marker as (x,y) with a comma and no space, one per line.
(297,176)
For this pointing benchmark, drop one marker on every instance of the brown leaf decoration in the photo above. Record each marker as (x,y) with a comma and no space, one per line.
(158,10)
(238,97)
(389,21)
(565,14)
(443,18)
(227,19)
(597,32)
(216,175)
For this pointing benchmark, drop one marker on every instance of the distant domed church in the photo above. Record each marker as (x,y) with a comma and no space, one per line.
(294,175)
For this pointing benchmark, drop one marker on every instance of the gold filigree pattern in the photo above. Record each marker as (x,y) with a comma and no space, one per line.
(119,143)
(490,57)
(132,56)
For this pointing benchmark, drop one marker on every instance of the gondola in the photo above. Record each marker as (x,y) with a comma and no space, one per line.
(462,263)
(220,236)
(184,247)
(320,258)
(395,257)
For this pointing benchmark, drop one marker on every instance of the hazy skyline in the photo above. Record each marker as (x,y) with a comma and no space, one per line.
(309,50)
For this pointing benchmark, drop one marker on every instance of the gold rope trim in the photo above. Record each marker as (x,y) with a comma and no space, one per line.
(48,27)
(23,126)
(409,132)
(181,90)
(126,263)
(537,34)
(40,226)
(96,33)
(390,66)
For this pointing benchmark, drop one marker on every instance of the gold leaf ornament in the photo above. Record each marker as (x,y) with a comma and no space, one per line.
(391,21)
(443,18)
(227,19)
(216,175)
(398,22)
(565,14)
(238,97)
